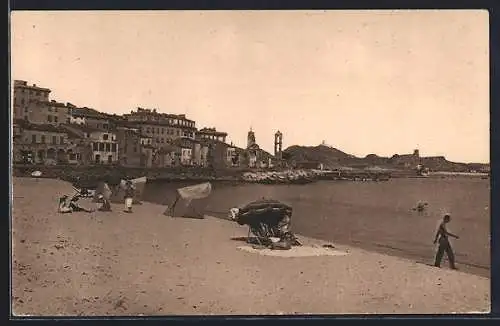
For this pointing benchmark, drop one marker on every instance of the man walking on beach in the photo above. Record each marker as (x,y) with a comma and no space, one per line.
(444,244)
(129,196)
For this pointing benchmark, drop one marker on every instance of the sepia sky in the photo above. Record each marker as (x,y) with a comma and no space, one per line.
(380,82)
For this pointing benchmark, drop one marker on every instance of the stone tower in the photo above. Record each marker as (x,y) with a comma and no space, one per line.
(250,138)
(278,145)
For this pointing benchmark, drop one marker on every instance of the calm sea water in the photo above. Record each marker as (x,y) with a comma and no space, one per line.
(374,216)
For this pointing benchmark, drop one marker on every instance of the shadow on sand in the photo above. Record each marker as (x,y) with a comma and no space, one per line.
(250,240)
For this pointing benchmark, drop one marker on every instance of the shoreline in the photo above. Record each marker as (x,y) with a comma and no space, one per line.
(158,265)
(472,269)
(235,175)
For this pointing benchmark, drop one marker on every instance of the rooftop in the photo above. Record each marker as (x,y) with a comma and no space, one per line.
(38,127)
(87,112)
(161,123)
(24,84)
(51,103)
(212,131)
(81,128)
(155,113)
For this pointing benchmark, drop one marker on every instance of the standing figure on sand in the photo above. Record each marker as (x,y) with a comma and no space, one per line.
(129,196)
(444,244)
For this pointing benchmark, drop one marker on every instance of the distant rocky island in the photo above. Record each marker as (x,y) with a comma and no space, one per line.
(332,158)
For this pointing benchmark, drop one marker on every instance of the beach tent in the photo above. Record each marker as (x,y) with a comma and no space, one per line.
(190,201)
(118,196)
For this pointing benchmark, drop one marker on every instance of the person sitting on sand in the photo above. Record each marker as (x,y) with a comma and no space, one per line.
(444,244)
(75,207)
(104,204)
(63,205)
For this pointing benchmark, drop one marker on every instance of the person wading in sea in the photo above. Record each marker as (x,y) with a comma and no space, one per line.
(444,244)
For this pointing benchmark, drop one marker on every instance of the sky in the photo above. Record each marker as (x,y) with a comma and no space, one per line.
(380,82)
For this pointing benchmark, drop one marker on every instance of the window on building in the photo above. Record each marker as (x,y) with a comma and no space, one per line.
(43,139)
(49,118)
(105,136)
(95,147)
(162,131)
(108,147)
(55,119)
(54,140)
(157,130)
(38,93)
(113,147)
(162,140)
(148,130)
(22,101)
(105,126)
(178,132)
(26,110)
(101,147)
(61,139)
(33,139)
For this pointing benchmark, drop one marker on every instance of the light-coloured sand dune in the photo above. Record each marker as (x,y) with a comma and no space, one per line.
(146,263)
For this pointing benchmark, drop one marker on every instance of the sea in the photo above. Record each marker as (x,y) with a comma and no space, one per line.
(376,216)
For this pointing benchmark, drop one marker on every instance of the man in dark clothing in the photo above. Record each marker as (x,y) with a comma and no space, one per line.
(129,196)
(444,244)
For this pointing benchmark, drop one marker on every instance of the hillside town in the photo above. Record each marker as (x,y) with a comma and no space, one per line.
(49,132)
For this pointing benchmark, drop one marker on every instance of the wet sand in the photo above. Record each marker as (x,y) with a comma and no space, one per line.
(146,263)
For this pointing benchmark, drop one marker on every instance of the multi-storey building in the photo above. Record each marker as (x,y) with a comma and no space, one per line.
(162,127)
(211,134)
(44,112)
(32,104)
(24,94)
(103,143)
(90,118)
(129,145)
(39,143)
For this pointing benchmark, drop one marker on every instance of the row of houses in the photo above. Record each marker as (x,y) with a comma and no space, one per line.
(50,132)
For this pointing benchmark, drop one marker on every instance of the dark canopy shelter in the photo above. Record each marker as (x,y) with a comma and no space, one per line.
(267,218)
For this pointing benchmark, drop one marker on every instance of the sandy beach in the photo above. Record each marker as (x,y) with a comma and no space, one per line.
(145,263)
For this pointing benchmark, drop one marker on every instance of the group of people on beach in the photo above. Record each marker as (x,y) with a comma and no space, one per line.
(70,205)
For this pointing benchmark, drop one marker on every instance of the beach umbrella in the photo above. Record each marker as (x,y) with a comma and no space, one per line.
(265,211)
